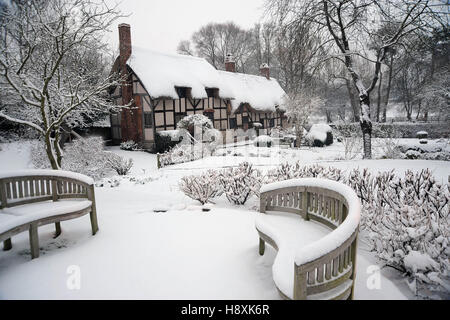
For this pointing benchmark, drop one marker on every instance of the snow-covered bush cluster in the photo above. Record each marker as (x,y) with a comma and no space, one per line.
(320,135)
(351,139)
(436,151)
(180,154)
(263,141)
(408,224)
(116,181)
(129,146)
(195,121)
(240,183)
(297,171)
(85,156)
(186,152)
(203,187)
(121,165)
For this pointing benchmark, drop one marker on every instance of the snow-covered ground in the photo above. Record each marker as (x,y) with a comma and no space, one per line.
(183,253)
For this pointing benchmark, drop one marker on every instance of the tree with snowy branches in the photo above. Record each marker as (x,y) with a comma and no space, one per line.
(299,108)
(51,70)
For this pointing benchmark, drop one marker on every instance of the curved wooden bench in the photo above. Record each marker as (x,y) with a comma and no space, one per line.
(324,269)
(29,199)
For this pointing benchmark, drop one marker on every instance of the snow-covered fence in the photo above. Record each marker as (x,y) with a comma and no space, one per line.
(324,269)
(21,191)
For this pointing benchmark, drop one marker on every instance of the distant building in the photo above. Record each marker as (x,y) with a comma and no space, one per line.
(167,87)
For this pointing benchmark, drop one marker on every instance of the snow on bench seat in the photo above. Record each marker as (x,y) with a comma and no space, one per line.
(20,215)
(313,261)
(290,233)
(33,198)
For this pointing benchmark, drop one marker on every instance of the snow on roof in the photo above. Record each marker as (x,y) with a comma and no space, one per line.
(262,94)
(160,73)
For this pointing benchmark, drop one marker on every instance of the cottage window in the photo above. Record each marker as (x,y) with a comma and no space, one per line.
(212,92)
(183,92)
(272,123)
(209,114)
(179,117)
(148,120)
(244,120)
(233,123)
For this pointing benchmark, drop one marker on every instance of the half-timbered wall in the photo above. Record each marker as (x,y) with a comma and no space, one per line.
(164,114)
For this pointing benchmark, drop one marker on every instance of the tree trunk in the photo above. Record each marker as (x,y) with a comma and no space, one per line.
(379,97)
(353,99)
(366,126)
(388,89)
(50,153)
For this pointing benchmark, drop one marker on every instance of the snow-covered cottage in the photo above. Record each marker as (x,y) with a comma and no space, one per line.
(167,87)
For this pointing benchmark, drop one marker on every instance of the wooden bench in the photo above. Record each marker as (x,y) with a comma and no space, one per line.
(30,199)
(323,269)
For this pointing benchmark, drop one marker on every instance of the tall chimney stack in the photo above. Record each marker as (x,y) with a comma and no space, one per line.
(131,124)
(230,64)
(264,69)
(124,43)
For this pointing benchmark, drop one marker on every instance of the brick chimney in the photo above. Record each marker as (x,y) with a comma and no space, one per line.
(230,64)
(264,69)
(124,43)
(131,123)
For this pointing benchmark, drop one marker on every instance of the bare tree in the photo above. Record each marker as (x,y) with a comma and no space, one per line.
(347,20)
(184,47)
(49,68)
(299,108)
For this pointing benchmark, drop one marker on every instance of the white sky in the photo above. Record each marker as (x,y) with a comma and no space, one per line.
(161,24)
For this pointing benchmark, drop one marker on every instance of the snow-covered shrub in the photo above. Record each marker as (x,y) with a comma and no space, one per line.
(195,121)
(423,141)
(240,183)
(263,141)
(408,224)
(388,146)
(288,171)
(39,157)
(129,146)
(165,140)
(87,156)
(212,138)
(422,135)
(119,164)
(351,139)
(320,135)
(202,187)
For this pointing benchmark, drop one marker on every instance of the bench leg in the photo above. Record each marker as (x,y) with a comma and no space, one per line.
(262,247)
(7,245)
(57,230)
(94,223)
(34,241)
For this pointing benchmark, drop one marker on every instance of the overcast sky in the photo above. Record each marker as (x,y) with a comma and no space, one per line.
(161,24)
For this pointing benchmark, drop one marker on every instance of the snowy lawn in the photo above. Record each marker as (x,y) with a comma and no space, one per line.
(183,253)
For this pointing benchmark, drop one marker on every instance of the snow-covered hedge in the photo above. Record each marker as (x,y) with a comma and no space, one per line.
(202,188)
(195,120)
(129,146)
(240,183)
(86,156)
(320,135)
(119,164)
(297,171)
(186,152)
(408,224)
(263,141)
